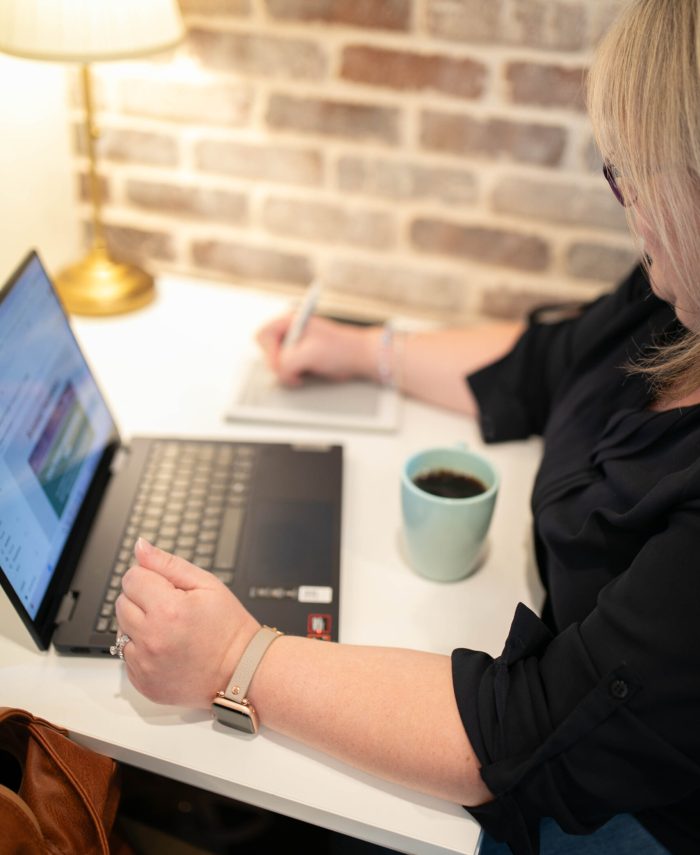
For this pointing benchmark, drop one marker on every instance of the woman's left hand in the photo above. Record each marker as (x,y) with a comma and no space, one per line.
(187,630)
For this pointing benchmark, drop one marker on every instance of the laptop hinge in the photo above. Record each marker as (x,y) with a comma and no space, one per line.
(67,607)
(119,459)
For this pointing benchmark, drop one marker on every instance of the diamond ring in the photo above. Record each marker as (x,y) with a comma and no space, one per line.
(117,649)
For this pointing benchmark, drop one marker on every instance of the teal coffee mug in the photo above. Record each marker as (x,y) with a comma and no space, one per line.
(447,501)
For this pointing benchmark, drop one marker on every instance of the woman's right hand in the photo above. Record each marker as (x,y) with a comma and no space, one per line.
(327,349)
(187,631)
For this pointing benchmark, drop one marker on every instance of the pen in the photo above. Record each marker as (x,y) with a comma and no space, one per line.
(302,314)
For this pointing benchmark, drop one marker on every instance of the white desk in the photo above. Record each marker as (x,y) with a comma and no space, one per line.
(167,370)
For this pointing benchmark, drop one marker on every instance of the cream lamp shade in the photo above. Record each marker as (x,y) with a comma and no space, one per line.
(88,30)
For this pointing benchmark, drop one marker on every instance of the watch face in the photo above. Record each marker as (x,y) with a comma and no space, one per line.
(235,715)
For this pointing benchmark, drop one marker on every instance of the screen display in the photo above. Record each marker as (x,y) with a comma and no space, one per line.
(54,426)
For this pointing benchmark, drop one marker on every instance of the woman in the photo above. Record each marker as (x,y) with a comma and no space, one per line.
(583,733)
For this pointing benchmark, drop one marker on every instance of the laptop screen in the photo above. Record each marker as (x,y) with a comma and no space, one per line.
(54,426)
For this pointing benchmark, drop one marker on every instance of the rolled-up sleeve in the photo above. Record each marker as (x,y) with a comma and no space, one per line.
(602,718)
(516,394)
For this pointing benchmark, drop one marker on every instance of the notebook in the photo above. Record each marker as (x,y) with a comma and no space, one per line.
(354,405)
(263,517)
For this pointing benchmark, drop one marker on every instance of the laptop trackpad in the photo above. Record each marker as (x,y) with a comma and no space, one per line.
(291,543)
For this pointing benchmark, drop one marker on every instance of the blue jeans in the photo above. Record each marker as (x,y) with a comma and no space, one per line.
(623,835)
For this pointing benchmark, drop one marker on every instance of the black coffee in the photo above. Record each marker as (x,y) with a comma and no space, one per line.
(449,484)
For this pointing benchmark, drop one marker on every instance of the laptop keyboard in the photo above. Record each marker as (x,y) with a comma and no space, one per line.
(191,500)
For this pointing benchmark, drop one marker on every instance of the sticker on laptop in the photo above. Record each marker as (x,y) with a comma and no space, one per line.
(319,626)
(304,593)
(315,594)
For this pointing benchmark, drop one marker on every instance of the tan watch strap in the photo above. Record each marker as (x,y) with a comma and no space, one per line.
(237,688)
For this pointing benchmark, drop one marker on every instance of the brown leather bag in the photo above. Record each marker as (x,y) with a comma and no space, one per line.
(55,796)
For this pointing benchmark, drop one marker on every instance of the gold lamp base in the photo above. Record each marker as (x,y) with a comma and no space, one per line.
(97,285)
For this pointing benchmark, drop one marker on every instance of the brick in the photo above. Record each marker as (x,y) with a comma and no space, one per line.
(531,23)
(396,284)
(515,303)
(209,103)
(403,181)
(597,261)
(603,14)
(465,20)
(545,24)
(329,223)
(492,138)
(478,243)
(194,201)
(85,192)
(386,15)
(408,70)
(122,144)
(265,56)
(260,162)
(333,118)
(569,26)
(591,160)
(237,8)
(245,261)
(546,85)
(137,245)
(564,203)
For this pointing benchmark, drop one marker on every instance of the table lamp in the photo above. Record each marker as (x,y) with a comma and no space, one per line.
(86,31)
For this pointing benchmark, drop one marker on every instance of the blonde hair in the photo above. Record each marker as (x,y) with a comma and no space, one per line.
(644,103)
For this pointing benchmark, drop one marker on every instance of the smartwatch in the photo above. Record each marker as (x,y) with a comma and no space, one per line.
(231,707)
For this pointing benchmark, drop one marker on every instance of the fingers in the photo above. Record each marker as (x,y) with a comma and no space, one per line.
(180,573)
(289,364)
(270,338)
(130,616)
(292,363)
(145,589)
(130,655)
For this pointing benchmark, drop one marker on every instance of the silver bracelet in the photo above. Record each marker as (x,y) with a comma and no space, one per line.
(385,356)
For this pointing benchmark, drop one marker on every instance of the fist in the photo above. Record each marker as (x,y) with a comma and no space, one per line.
(187,630)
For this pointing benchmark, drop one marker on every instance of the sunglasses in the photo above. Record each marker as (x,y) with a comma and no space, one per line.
(611,175)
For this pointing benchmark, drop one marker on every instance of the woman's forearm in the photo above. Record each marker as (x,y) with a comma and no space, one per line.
(431,366)
(391,712)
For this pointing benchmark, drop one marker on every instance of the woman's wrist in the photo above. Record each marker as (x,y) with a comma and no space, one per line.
(232,657)
(376,355)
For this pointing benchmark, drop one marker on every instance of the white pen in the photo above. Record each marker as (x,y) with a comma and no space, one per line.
(302,314)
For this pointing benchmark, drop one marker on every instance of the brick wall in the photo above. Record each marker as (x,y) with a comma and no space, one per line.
(433,155)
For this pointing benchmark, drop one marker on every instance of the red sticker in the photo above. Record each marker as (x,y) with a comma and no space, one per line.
(319,626)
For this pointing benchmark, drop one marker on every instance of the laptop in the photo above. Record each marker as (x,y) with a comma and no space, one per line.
(263,517)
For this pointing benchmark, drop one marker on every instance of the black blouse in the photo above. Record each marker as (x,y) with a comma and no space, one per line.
(594,709)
